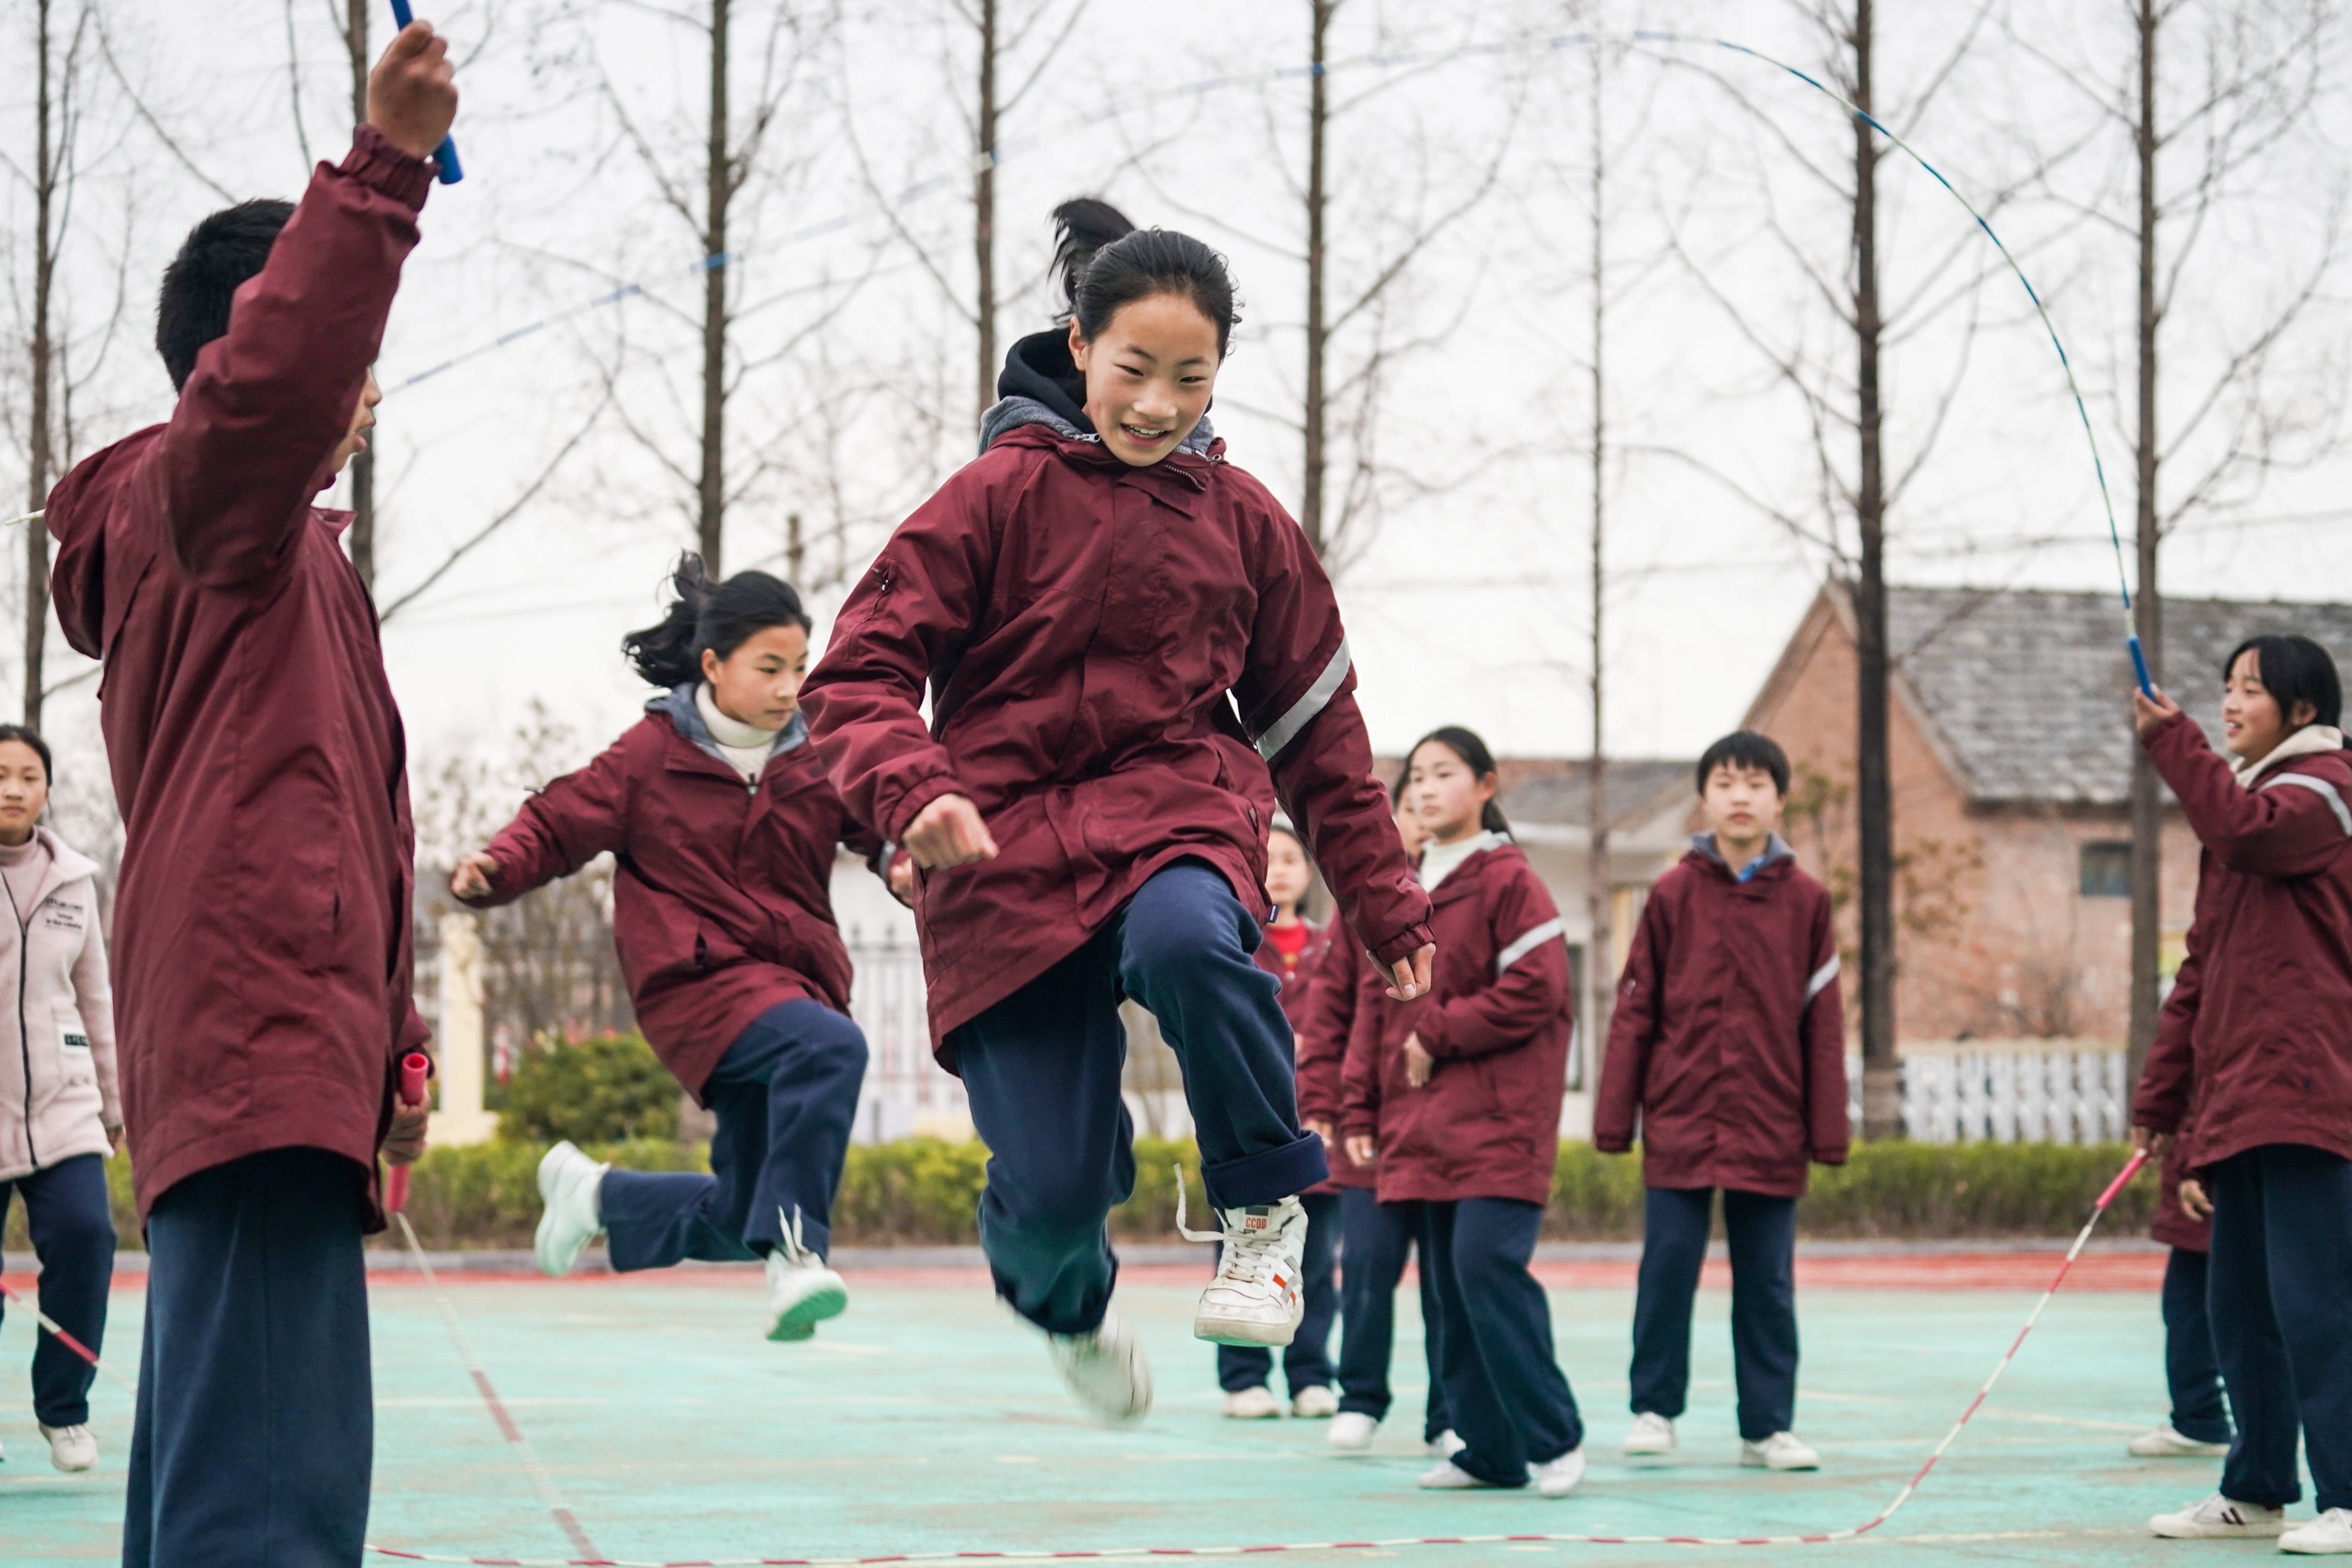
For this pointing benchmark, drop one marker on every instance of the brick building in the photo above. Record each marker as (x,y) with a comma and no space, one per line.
(2010,750)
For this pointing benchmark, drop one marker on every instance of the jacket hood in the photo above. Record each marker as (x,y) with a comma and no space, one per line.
(2310,741)
(1041,386)
(679,706)
(78,509)
(70,864)
(1776,849)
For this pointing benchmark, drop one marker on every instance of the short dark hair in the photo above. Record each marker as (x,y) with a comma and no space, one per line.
(718,615)
(1107,263)
(2293,670)
(32,738)
(1466,746)
(217,256)
(1746,749)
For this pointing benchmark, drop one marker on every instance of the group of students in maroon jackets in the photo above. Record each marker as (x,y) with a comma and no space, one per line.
(1088,704)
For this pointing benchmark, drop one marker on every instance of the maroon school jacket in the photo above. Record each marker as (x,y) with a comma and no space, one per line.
(2173,1225)
(1487,1125)
(261,924)
(1080,623)
(1298,981)
(1729,1034)
(721,906)
(1330,1020)
(2255,1044)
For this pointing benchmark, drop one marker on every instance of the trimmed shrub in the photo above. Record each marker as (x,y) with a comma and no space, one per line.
(488,1195)
(609,1089)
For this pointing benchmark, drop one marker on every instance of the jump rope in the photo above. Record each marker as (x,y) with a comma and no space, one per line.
(414,1067)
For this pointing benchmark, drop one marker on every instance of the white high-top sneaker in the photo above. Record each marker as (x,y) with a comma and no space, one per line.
(1352,1432)
(1106,1369)
(569,1182)
(802,1291)
(1652,1434)
(1256,1298)
(71,1448)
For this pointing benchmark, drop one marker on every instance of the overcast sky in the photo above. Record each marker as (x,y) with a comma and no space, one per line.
(1467,582)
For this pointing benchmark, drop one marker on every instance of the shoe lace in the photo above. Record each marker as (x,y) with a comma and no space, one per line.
(796,1252)
(1250,1255)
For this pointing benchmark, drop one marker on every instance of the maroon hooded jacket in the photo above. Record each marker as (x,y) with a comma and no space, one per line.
(1487,1125)
(1297,981)
(2255,1044)
(1729,1034)
(2173,1225)
(1080,624)
(721,900)
(1330,1020)
(261,925)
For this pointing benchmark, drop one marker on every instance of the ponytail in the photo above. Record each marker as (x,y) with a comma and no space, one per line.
(1466,746)
(721,616)
(1107,263)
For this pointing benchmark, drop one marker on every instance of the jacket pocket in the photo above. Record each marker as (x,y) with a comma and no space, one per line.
(76,1065)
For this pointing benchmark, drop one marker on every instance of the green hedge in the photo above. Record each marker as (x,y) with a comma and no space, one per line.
(925,1191)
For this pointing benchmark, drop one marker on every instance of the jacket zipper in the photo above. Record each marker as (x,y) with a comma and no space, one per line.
(24,1035)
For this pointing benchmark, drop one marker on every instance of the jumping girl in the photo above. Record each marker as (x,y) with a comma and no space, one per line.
(724,828)
(1293,952)
(2253,1065)
(1375,1240)
(1131,653)
(60,1110)
(1456,1095)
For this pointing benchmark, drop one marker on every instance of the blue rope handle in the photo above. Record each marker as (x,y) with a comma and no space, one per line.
(447,155)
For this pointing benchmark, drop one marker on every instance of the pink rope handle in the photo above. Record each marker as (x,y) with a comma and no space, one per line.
(414,1069)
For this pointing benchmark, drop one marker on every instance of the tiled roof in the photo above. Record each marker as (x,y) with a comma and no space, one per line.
(1564,798)
(2031,692)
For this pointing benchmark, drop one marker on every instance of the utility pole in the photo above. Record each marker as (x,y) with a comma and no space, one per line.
(40,458)
(1318,334)
(361,537)
(1601,981)
(711,488)
(983,212)
(2148,605)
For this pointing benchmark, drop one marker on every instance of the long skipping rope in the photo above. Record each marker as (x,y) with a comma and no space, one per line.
(1910,1488)
(1393,60)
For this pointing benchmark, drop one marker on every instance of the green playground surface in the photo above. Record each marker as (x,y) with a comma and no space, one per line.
(926,1420)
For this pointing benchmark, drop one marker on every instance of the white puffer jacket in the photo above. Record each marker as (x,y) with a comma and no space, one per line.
(58,1093)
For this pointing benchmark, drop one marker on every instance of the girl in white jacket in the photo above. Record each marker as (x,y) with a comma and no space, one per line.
(60,1113)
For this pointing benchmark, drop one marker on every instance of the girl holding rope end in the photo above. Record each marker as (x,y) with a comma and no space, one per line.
(724,829)
(1132,654)
(2252,1066)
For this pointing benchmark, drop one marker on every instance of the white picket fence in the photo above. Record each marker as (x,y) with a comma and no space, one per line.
(904,1090)
(2009,1091)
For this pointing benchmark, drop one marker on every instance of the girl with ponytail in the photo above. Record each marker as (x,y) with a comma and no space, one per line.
(1454,1102)
(723,828)
(1131,658)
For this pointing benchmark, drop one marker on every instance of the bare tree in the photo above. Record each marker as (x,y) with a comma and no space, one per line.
(2205,130)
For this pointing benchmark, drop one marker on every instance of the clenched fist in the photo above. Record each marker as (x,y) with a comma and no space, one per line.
(413,93)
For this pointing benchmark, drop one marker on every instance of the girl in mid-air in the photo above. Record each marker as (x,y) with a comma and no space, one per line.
(723,828)
(1454,1100)
(1130,656)
(1293,952)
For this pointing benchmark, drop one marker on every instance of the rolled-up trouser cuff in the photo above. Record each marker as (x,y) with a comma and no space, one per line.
(1267,1176)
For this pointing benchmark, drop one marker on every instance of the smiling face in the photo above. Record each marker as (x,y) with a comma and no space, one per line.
(1150,375)
(2251,724)
(362,421)
(24,790)
(1446,793)
(759,683)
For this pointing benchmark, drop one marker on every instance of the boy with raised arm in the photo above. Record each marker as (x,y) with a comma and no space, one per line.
(262,918)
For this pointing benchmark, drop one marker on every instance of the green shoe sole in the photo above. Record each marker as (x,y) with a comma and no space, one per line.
(799,1322)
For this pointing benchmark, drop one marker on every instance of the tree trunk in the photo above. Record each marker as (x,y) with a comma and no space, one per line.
(360,540)
(1882,1088)
(1318,111)
(795,549)
(39,457)
(712,489)
(1601,971)
(984,213)
(2146,803)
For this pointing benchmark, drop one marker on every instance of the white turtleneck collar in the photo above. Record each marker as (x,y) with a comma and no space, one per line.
(746,747)
(1439,860)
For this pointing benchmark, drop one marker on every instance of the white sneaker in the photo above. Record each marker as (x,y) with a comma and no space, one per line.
(1352,1432)
(1781,1451)
(1557,1477)
(1255,1299)
(569,1182)
(1106,1369)
(71,1448)
(1445,1475)
(2167,1443)
(1446,1445)
(2329,1535)
(1253,1403)
(802,1291)
(1316,1402)
(2217,1518)
(1652,1434)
